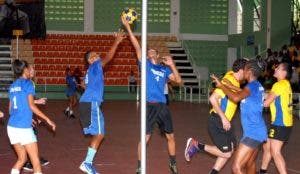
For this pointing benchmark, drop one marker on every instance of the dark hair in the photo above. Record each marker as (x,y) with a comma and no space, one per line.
(289,70)
(19,66)
(86,57)
(238,64)
(256,66)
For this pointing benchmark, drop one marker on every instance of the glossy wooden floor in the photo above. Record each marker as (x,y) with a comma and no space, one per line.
(117,155)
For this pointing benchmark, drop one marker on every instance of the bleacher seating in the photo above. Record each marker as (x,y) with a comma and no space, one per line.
(52,56)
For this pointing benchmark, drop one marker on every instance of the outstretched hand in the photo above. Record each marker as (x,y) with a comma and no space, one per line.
(167,60)
(120,35)
(215,80)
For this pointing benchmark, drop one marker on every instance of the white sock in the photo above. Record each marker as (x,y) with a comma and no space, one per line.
(14,171)
(71,112)
(68,108)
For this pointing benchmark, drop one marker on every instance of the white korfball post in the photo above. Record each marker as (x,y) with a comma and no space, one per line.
(143,87)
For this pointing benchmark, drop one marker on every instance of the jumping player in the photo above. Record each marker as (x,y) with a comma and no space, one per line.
(157,110)
(91,117)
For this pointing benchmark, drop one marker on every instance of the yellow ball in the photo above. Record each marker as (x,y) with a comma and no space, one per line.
(130,15)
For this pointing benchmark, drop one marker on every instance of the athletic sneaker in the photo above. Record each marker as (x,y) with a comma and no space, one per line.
(44,162)
(28,166)
(72,116)
(66,113)
(173,168)
(88,168)
(190,149)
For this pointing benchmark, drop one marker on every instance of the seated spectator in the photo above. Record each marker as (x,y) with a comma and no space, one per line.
(132,82)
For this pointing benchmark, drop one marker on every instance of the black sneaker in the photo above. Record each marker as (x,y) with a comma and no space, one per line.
(28,166)
(72,116)
(173,168)
(66,113)
(44,162)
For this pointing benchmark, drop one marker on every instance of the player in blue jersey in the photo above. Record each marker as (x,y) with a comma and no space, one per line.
(159,72)
(253,124)
(91,117)
(41,101)
(71,93)
(19,127)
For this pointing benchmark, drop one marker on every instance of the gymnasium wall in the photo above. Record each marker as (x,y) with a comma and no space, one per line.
(107,15)
(211,54)
(280,29)
(64,15)
(204,17)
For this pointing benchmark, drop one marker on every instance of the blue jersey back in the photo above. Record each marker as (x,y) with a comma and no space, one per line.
(20,112)
(72,82)
(94,83)
(157,76)
(251,113)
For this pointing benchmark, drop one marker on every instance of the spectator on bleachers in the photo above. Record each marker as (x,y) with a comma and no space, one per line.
(1,114)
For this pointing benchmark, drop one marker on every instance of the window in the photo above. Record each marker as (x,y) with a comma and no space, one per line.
(257,15)
(240,16)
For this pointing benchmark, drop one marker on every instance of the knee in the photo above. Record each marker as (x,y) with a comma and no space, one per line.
(227,154)
(170,137)
(235,168)
(22,159)
(275,152)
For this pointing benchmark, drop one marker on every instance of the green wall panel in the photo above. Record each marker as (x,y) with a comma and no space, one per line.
(64,15)
(211,54)
(204,17)
(107,15)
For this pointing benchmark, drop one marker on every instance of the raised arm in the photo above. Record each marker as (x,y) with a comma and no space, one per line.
(133,39)
(174,76)
(235,96)
(119,36)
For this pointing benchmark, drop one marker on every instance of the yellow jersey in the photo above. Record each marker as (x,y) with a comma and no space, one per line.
(227,106)
(281,108)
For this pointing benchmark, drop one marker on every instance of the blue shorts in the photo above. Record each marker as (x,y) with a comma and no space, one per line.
(70,92)
(252,143)
(91,118)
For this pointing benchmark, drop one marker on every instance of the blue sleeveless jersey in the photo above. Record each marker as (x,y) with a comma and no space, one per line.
(157,77)
(94,83)
(20,112)
(252,120)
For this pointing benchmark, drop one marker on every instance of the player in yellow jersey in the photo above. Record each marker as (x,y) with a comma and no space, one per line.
(280,101)
(219,126)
